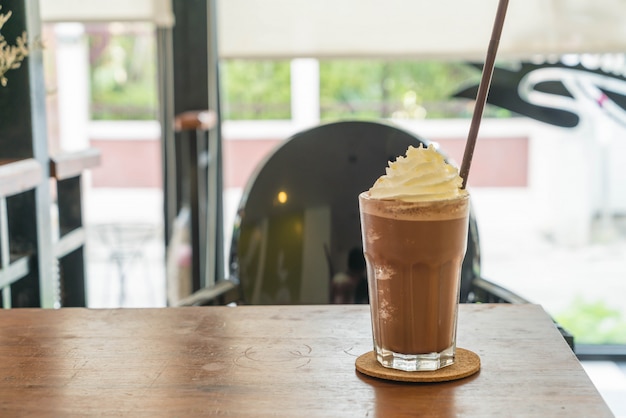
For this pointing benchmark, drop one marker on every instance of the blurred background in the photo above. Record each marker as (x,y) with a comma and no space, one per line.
(109,81)
(549,199)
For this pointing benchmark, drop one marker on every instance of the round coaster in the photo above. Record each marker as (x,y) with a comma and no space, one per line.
(466,363)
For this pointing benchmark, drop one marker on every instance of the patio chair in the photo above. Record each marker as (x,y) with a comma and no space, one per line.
(299,218)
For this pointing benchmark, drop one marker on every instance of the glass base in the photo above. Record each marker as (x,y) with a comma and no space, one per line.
(416,362)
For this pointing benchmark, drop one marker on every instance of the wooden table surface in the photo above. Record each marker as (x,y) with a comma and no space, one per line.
(291,361)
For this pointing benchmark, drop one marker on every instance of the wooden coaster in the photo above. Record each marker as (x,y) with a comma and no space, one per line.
(466,363)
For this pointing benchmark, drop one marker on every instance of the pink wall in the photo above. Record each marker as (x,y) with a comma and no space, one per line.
(241,158)
(128,163)
(498,162)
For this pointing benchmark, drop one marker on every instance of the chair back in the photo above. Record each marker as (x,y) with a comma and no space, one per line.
(299,217)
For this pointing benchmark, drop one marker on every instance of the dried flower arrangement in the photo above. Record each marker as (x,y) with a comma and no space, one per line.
(11,56)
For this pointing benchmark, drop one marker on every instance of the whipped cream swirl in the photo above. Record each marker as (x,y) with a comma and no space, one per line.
(422,175)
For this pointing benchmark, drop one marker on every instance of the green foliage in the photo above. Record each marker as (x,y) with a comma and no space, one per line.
(123,75)
(134,101)
(352,89)
(593,322)
(256,89)
(380,88)
(124,86)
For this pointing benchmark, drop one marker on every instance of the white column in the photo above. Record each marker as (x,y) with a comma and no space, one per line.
(72,60)
(305,92)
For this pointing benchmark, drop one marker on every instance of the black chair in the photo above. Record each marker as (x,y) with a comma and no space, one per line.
(299,218)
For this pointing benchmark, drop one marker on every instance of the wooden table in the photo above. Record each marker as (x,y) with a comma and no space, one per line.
(291,361)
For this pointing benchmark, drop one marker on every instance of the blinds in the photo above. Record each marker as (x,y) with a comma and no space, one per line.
(157,11)
(417,28)
(442,29)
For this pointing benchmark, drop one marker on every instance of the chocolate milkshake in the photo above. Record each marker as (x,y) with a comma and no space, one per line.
(414,246)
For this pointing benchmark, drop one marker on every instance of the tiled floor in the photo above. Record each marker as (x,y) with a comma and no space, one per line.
(132,274)
(144,277)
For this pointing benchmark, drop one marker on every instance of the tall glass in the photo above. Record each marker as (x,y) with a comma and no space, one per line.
(414,252)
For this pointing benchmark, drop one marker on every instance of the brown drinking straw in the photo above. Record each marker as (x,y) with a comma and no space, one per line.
(483,89)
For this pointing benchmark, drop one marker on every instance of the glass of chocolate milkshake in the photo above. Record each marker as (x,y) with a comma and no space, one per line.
(414,224)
